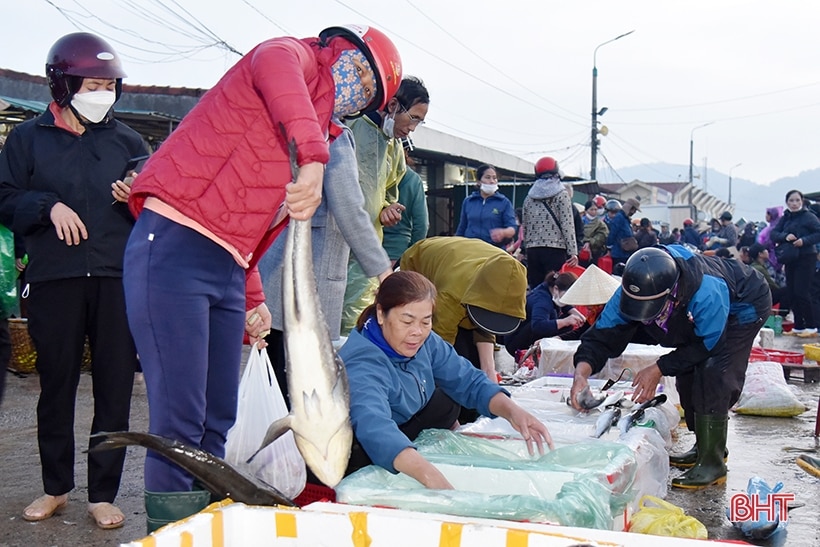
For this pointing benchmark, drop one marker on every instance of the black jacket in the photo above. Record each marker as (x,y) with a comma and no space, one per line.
(42,164)
(713,295)
(803,224)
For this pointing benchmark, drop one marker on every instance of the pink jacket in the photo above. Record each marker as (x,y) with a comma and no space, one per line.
(226,165)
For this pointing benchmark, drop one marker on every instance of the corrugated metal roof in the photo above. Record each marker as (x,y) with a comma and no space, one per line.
(153,126)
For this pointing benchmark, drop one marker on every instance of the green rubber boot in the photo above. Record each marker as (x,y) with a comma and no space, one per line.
(709,468)
(688,458)
(163,508)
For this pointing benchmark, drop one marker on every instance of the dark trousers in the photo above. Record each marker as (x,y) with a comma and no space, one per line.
(440,412)
(5,354)
(541,261)
(814,294)
(186,308)
(714,386)
(276,353)
(60,315)
(465,346)
(799,277)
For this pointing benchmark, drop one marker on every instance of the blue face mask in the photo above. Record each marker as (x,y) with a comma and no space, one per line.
(350,95)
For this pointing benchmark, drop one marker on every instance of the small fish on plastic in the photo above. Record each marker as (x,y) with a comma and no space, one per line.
(608,418)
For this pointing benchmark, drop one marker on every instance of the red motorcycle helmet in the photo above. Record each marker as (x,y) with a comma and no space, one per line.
(380,52)
(77,56)
(688,222)
(546,166)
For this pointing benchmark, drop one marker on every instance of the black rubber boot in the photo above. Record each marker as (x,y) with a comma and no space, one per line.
(709,468)
(688,458)
(163,508)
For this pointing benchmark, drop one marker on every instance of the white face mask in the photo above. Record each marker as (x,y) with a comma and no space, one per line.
(94,105)
(489,189)
(389,126)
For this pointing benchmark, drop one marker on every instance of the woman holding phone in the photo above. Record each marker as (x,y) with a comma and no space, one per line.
(56,176)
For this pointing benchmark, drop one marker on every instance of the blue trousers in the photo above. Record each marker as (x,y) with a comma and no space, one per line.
(185,297)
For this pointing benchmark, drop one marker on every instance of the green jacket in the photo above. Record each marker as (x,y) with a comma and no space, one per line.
(595,233)
(414,221)
(381,167)
(773,286)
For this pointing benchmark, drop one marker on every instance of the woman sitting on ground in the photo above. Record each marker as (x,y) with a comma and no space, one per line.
(404,378)
(759,256)
(546,315)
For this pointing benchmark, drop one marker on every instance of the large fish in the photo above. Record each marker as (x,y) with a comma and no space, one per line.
(215,474)
(317,381)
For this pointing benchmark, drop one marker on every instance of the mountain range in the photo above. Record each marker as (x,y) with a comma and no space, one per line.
(750,199)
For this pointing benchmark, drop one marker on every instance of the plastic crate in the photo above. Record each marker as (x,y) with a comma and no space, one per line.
(812,351)
(776,355)
(315,492)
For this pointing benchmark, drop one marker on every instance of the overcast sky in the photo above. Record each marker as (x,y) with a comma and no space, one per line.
(517,75)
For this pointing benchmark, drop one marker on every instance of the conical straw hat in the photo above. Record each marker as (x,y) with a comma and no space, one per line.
(594,287)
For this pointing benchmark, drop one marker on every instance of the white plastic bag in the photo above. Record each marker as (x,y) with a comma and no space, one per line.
(261,403)
(766,392)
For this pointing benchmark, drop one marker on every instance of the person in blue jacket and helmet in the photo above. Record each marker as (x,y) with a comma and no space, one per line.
(709,310)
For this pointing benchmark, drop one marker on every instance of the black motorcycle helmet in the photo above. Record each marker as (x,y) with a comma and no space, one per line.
(648,279)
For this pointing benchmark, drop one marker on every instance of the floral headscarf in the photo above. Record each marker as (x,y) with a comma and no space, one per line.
(350,96)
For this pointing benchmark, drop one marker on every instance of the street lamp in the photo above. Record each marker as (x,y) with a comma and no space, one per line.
(593,169)
(730,182)
(691,151)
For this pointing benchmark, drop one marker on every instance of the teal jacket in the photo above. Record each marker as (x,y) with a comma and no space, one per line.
(414,221)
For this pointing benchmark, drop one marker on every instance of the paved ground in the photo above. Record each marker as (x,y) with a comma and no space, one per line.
(758,446)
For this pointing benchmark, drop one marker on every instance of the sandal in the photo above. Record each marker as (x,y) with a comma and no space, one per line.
(44,507)
(106,515)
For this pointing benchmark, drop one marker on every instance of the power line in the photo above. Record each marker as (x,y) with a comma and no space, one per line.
(166,52)
(461,70)
(606,160)
(488,63)
(720,101)
(271,21)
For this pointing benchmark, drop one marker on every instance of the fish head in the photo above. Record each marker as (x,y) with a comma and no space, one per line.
(328,458)
(587,400)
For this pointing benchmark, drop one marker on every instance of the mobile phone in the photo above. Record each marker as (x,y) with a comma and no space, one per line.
(134,164)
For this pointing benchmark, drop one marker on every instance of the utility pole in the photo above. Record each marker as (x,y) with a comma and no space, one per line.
(593,144)
(730,182)
(691,159)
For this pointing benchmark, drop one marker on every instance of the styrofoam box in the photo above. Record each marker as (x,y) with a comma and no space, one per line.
(337,525)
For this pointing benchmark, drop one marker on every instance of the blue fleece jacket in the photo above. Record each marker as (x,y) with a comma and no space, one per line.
(479,216)
(386,392)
